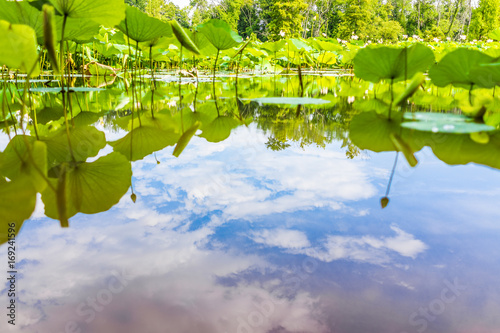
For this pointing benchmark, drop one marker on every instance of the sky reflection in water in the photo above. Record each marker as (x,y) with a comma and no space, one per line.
(233,237)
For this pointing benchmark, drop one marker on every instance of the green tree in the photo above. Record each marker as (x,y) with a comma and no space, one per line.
(286,16)
(485,18)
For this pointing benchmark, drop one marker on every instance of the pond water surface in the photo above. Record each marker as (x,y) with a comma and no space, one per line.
(277,227)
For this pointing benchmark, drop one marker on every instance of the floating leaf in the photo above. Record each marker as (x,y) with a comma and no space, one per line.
(293,101)
(443,123)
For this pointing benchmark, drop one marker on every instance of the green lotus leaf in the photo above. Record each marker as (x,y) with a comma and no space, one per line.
(219,33)
(25,157)
(455,68)
(495,34)
(184,38)
(144,140)
(486,75)
(327,46)
(446,126)
(368,130)
(384,62)
(88,188)
(219,129)
(17,203)
(85,141)
(294,44)
(274,47)
(19,47)
(78,30)
(141,27)
(108,13)
(20,12)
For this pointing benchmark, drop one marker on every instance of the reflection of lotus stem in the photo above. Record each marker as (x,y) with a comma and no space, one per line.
(67,125)
(392,175)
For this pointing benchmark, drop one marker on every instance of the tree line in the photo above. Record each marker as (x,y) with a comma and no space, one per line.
(386,20)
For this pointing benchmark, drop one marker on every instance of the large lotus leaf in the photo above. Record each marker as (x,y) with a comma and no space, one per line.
(455,68)
(495,34)
(486,75)
(295,44)
(85,142)
(327,46)
(144,140)
(108,13)
(78,30)
(89,188)
(24,157)
(20,12)
(19,48)
(274,47)
(141,27)
(219,129)
(384,62)
(377,63)
(219,33)
(17,203)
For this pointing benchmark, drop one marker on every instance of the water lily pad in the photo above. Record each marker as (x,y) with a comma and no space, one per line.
(293,101)
(447,126)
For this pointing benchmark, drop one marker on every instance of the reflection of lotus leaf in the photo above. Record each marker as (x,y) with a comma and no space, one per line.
(17,203)
(90,187)
(144,140)
(219,129)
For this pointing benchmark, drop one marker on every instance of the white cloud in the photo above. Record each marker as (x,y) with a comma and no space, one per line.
(288,239)
(368,248)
